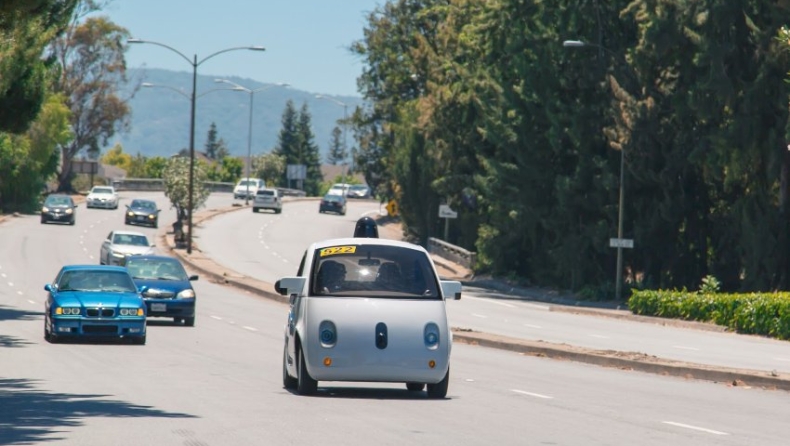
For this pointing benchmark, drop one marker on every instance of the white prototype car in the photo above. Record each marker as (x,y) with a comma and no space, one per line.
(367,310)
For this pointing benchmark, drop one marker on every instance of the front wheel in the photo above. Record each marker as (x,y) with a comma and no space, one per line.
(415,387)
(189,321)
(289,382)
(305,385)
(439,390)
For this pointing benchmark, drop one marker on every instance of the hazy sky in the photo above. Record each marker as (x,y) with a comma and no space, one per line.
(306,41)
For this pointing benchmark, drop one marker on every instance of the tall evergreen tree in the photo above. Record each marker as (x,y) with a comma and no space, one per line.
(337,150)
(308,152)
(287,142)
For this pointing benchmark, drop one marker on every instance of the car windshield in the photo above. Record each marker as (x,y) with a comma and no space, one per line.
(373,271)
(101,190)
(141,204)
(96,280)
(130,239)
(333,198)
(358,188)
(57,201)
(248,183)
(156,269)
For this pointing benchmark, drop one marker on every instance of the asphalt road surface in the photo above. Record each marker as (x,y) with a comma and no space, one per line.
(219,383)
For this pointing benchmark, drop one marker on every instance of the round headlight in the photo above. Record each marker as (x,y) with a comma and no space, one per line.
(45,209)
(327,333)
(431,336)
(130,214)
(69,211)
(186,294)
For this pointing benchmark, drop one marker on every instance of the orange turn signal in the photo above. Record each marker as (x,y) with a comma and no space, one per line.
(431,363)
(327,361)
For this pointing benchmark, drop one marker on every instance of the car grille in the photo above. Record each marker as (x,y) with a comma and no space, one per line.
(100,329)
(100,312)
(158,294)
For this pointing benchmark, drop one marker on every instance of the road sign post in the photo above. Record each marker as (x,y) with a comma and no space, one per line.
(446,212)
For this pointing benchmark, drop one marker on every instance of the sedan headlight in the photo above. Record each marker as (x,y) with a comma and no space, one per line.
(186,294)
(431,336)
(130,214)
(45,209)
(118,254)
(69,211)
(68,311)
(151,216)
(132,312)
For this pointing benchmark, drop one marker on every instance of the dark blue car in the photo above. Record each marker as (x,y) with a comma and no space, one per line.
(169,291)
(94,301)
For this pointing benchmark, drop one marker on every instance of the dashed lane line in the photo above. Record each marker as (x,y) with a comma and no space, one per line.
(536,395)
(695,428)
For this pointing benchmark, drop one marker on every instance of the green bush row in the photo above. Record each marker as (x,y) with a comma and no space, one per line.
(765,314)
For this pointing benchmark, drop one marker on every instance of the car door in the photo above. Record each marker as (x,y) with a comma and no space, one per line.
(294,312)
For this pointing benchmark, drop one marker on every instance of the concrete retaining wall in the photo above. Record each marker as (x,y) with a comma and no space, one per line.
(451,252)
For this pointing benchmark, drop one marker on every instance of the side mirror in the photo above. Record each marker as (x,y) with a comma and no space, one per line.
(451,289)
(193,278)
(48,287)
(290,285)
(277,288)
(142,289)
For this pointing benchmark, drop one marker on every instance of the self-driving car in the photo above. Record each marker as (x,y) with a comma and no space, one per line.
(367,310)
(94,301)
(168,289)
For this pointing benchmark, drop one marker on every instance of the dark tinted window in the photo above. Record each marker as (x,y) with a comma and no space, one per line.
(158,269)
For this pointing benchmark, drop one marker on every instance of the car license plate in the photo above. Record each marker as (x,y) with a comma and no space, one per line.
(140,218)
(159,307)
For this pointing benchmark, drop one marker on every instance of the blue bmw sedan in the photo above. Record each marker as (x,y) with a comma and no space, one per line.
(94,301)
(169,291)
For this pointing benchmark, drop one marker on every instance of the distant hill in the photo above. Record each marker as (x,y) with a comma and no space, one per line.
(160,115)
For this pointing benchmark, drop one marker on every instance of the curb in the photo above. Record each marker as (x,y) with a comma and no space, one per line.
(628,361)
(606,358)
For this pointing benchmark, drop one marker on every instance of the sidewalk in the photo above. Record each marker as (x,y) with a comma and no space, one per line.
(607,358)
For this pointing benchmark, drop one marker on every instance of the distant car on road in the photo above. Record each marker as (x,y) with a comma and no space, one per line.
(333,203)
(91,301)
(358,191)
(168,288)
(339,189)
(102,197)
(267,198)
(59,208)
(121,244)
(367,310)
(142,212)
(247,187)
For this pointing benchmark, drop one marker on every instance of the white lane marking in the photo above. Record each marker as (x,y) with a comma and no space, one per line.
(782,359)
(536,395)
(696,428)
(492,301)
(480,316)
(216,317)
(32,302)
(685,348)
(532,326)
(91,257)
(285,260)
(10,283)
(3,275)
(250,328)
(82,242)
(598,336)
(20,293)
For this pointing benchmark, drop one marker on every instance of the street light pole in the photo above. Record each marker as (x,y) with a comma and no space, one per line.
(345,128)
(619,275)
(237,87)
(195,64)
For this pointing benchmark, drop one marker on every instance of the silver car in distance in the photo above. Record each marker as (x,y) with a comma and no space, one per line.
(367,310)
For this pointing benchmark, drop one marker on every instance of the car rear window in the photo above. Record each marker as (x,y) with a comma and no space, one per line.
(268,192)
(374,271)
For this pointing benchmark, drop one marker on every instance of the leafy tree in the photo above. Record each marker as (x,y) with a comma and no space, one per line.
(92,67)
(27,161)
(155,167)
(176,182)
(118,158)
(268,167)
(216,149)
(308,153)
(337,150)
(228,170)
(287,142)
(26,28)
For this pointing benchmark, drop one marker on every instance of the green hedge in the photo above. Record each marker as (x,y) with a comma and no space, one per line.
(765,314)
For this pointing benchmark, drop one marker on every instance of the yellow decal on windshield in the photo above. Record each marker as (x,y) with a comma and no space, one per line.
(338,250)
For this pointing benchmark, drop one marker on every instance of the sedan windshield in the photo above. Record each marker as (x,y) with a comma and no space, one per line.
(130,239)
(156,269)
(101,190)
(140,204)
(87,280)
(57,201)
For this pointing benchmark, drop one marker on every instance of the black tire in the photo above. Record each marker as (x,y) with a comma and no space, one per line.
(439,390)
(49,337)
(189,321)
(254,210)
(415,387)
(305,384)
(43,221)
(289,382)
(177,320)
(277,211)
(139,340)
(73,221)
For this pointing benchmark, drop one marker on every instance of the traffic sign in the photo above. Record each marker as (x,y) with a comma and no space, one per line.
(392,208)
(446,212)
(621,243)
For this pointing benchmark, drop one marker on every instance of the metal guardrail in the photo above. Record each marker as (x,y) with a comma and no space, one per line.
(452,252)
(157,184)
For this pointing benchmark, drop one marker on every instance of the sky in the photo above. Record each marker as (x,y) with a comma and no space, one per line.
(306,41)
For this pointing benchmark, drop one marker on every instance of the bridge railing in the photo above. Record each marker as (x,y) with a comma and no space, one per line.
(157,184)
(452,252)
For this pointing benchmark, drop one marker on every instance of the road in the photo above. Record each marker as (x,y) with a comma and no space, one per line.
(219,383)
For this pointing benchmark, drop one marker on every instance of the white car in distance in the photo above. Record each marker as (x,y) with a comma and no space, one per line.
(247,187)
(121,244)
(102,197)
(367,310)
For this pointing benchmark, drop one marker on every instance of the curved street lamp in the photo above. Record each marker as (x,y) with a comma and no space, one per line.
(345,126)
(619,275)
(195,64)
(237,87)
